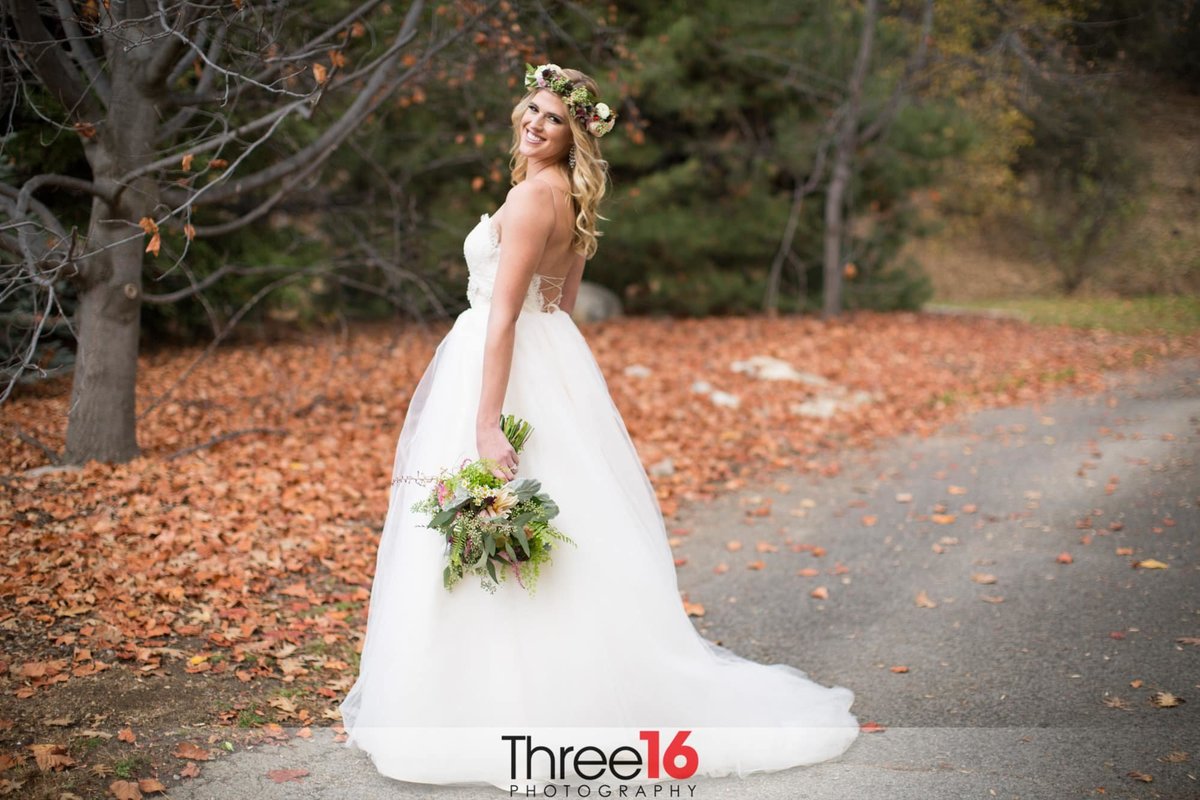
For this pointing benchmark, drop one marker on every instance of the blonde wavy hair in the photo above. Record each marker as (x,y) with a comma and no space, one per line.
(589,179)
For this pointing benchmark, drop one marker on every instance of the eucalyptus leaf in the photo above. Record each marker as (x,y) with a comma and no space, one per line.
(525,488)
(522,538)
(549,506)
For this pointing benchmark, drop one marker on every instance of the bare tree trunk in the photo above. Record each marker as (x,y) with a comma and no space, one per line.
(114,68)
(101,422)
(846,142)
(833,228)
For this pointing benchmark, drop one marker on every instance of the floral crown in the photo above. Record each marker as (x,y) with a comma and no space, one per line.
(598,118)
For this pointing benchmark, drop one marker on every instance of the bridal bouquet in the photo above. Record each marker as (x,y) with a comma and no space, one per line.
(492,526)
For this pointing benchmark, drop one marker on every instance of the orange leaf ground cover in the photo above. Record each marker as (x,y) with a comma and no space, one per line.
(255,555)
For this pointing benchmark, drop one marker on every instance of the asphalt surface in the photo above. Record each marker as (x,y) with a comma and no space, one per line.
(1027,678)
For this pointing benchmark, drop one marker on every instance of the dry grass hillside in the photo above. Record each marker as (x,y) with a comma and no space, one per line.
(1158,253)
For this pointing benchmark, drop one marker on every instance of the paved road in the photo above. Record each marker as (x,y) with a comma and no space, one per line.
(1030,694)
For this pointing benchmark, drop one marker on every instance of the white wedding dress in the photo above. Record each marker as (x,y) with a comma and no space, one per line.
(604,649)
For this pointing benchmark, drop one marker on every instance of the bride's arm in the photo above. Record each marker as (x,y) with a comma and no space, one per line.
(528,221)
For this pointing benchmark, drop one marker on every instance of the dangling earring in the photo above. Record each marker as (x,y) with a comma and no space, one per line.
(571,157)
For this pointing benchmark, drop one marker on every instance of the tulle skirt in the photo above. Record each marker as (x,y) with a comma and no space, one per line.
(602,655)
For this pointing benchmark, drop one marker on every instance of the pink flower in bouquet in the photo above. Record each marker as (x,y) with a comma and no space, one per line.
(443,491)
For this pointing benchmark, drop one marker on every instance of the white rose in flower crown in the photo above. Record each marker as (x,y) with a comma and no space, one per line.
(540,73)
(603,110)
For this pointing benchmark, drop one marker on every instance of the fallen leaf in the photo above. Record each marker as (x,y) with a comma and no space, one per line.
(1064,558)
(992,598)
(1139,776)
(871,727)
(127,735)
(1149,563)
(125,790)
(51,757)
(923,601)
(191,752)
(1117,702)
(732,546)
(983,577)
(899,669)
(286,775)
(808,572)
(721,568)
(1165,700)
(756,564)
(821,593)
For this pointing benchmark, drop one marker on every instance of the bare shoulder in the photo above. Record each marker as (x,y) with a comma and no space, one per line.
(529,195)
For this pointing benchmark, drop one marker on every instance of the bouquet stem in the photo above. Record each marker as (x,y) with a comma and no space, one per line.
(515,430)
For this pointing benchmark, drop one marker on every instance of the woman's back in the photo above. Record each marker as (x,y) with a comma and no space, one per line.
(559,258)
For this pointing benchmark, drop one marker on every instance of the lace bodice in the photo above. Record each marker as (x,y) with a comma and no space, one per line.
(482,251)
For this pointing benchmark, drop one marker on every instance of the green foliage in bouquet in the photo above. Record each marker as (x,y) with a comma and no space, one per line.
(492,526)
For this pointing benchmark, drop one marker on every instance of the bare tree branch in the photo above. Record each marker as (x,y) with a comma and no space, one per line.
(183,294)
(904,85)
(44,214)
(375,91)
(47,60)
(81,52)
(224,437)
(33,441)
(173,49)
(799,192)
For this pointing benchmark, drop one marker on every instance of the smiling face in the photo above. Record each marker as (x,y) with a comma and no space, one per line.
(545,130)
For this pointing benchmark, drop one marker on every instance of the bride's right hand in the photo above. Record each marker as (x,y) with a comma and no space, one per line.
(492,443)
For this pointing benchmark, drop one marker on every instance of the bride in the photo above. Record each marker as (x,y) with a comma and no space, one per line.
(598,677)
